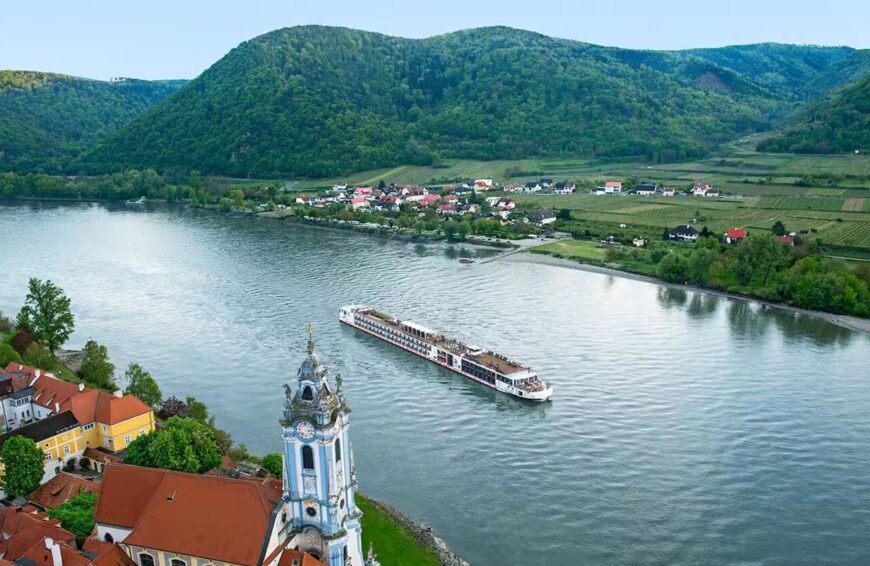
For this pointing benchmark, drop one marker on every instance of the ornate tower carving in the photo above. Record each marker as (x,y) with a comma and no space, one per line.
(319,475)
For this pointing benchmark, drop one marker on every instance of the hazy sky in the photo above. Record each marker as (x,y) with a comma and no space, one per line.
(155,39)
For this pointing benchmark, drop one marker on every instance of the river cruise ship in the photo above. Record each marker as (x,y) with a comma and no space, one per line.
(483,366)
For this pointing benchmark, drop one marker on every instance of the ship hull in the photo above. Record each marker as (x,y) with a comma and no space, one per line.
(529,396)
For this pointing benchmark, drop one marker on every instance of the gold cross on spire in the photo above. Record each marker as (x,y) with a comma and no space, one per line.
(310,329)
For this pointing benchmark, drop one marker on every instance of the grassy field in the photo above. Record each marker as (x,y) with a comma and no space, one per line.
(393,544)
(573,249)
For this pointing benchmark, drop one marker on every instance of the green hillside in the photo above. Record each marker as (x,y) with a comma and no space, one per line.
(837,123)
(318,101)
(46,118)
(799,72)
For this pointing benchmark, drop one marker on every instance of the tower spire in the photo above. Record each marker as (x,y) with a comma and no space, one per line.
(310,338)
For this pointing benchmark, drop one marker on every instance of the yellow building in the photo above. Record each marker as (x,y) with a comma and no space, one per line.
(58,436)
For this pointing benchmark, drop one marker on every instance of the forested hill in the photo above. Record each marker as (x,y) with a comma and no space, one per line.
(839,122)
(46,119)
(313,101)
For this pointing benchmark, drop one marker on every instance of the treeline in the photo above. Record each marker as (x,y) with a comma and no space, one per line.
(761,266)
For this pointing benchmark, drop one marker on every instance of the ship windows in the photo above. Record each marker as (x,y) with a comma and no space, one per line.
(307,394)
(307,458)
(338,450)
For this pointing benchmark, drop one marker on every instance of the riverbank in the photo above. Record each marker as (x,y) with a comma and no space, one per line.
(399,540)
(845,321)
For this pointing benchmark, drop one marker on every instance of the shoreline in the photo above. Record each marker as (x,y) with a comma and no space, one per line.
(424,535)
(845,321)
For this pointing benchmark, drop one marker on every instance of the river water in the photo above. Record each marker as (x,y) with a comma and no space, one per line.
(685,428)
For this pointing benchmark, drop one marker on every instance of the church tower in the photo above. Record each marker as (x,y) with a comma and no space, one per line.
(319,474)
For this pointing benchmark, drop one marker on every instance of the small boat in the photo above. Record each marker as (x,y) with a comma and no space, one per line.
(138,202)
(465,260)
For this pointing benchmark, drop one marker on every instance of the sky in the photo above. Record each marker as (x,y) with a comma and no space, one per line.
(167,39)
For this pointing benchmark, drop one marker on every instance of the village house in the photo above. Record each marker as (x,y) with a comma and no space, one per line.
(429,200)
(108,422)
(683,233)
(339,187)
(58,436)
(363,192)
(483,185)
(646,189)
(531,187)
(700,188)
(563,188)
(787,240)
(735,235)
(668,192)
(609,188)
(541,217)
(511,187)
(358,202)
(638,242)
(447,209)
(413,193)
(303,199)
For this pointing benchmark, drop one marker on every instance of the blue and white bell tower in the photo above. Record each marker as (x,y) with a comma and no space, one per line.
(319,474)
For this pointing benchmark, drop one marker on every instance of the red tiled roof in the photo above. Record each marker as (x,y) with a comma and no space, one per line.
(100,456)
(736,233)
(23,527)
(298,558)
(613,184)
(114,556)
(187,513)
(56,491)
(88,405)
(41,556)
(789,240)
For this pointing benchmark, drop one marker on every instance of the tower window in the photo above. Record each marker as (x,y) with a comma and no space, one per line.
(307,458)
(338,450)
(307,394)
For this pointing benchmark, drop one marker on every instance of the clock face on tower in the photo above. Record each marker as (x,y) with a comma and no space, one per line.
(304,430)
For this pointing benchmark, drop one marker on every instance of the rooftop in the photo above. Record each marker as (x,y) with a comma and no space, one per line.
(43,429)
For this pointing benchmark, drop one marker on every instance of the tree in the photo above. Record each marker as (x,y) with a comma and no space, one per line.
(673,267)
(8,354)
(141,385)
(274,464)
(23,466)
(197,410)
(238,197)
(172,407)
(38,356)
(6,325)
(778,228)
(183,444)
(46,312)
(77,515)
(759,258)
(96,369)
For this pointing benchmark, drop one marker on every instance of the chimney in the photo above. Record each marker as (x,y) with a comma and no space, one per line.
(56,558)
(37,373)
(118,393)
(81,387)
(57,407)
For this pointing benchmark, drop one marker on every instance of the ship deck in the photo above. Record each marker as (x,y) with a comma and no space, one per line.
(486,359)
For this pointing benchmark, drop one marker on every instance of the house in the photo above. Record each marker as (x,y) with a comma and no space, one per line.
(683,233)
(711,192)
(303,199)
(58,436)
(358,202)
(447,209)
(545,183)
(451,199)
(787,240)
(483,185)
(429,200)
(700,188)
(668,192)
(61,488)
(563,188)
(161,517)
(413,193)
(111,421)
(735,235)
(511,187)
(362,192)
(609,188)
(531,187)
(541,217)
(339,187)
(646,189)
(638,242)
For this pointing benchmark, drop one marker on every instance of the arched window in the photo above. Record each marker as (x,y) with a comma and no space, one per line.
(307,458)
(146,559)
(177,562)
(307,394)
(108,538)
(338,450)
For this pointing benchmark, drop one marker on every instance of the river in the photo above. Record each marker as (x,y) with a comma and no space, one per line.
(685,428)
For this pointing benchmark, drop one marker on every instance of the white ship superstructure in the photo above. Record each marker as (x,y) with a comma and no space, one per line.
(483,366)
